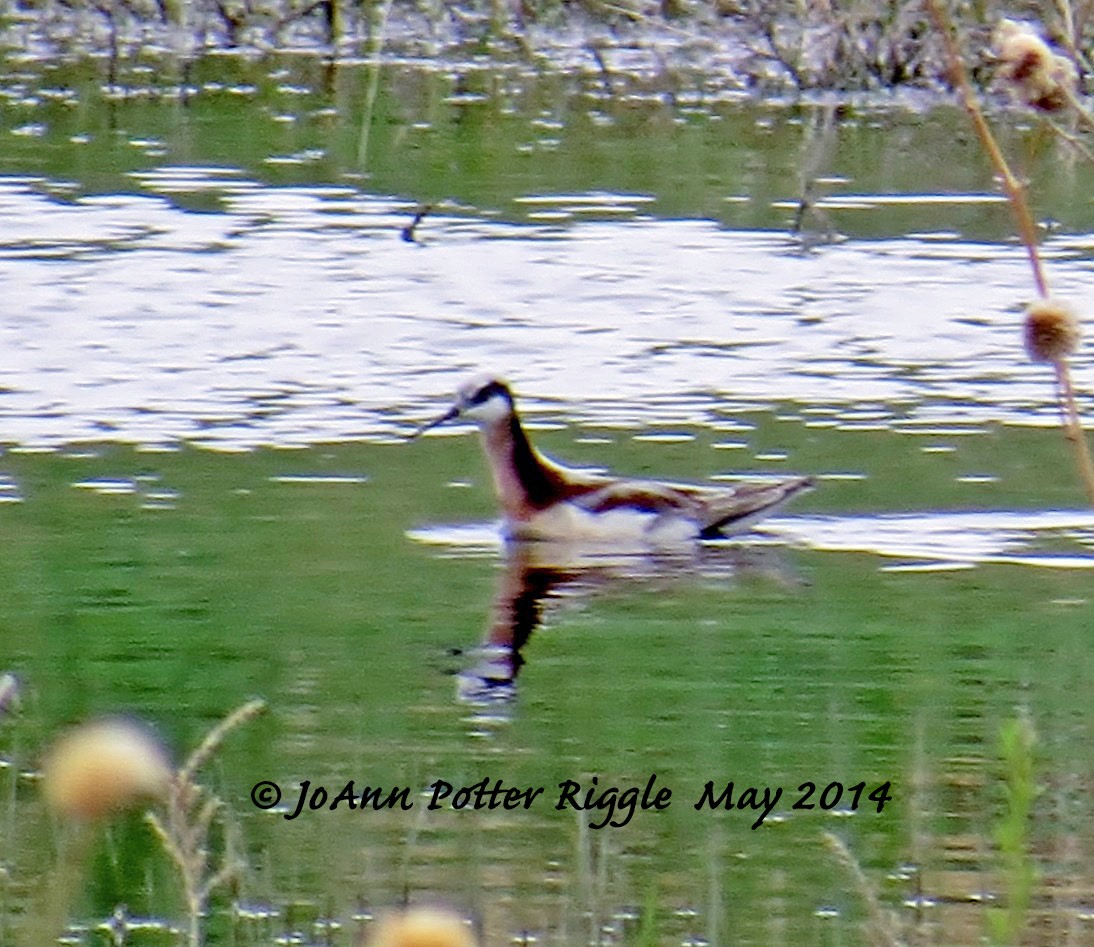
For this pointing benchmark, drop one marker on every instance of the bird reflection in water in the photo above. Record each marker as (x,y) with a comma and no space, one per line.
(538,575)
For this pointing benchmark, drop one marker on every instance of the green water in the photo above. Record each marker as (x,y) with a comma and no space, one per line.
(766,666)
(484,138)
(625,259)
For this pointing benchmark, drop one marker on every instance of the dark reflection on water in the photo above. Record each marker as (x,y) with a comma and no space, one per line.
(817,651)
(536,574)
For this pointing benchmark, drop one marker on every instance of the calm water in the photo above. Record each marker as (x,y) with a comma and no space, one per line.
(216,339)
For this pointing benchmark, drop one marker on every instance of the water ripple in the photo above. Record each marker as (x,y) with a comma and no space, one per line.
(295,315)
(952,540)
(923,541)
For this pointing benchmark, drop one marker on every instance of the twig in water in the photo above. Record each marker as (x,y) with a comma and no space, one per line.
(376,48)
(409,231)
(602,65)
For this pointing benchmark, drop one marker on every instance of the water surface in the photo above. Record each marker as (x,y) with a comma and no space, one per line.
(217,338)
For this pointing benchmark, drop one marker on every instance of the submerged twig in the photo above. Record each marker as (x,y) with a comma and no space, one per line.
(1072,139)
(409,232)
(1073,428)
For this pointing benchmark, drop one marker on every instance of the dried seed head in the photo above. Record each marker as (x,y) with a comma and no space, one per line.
(1036,75)
(422,927)
(1052,331)
(102,767)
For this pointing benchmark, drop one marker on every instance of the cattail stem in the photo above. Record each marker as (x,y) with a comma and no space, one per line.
(1027,231)
(1073,429)
(1016,193)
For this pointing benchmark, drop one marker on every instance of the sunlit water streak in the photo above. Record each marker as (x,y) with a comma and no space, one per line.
(298,315)
(923,541)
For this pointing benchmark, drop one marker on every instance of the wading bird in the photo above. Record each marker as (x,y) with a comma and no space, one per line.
(542,500)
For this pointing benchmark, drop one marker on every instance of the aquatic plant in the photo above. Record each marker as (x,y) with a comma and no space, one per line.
(9,703)
(9,692)
(376,49)
(98,769)
(1017,741)
(648,927)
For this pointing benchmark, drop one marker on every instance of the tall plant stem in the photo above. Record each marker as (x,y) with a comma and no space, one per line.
(1073,428)
(1027,233)
(1015,191)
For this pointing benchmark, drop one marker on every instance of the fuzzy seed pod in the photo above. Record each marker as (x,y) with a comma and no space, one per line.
(1036,75)
(421,927)
(102,767)
(1052,331)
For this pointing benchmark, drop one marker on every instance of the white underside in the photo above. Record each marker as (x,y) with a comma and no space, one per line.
(621,527)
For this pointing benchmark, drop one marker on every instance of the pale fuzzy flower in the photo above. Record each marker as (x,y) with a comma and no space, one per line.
(1039,77)
(1051,330)
(102,767)
(421,927)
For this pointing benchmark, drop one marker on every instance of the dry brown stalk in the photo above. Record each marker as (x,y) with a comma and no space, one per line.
(215,737)
(1016,193)
(1027,232)
(1073,428)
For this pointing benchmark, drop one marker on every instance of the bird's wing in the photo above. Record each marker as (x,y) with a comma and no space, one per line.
(734,510)
(641,495)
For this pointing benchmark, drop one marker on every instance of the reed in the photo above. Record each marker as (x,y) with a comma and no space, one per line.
(377,32)
(849,45)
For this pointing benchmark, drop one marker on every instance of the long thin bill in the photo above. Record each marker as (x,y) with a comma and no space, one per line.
(453,412)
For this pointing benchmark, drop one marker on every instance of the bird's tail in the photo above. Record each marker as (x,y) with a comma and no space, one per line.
(748,503)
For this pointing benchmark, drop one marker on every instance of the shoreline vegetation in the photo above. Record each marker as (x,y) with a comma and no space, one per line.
(763,46)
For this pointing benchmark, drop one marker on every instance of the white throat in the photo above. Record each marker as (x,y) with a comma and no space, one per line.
(490,413)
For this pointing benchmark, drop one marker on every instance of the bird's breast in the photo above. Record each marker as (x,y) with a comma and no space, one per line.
(622,526)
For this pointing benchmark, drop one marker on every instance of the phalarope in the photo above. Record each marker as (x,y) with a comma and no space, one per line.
(543,500)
